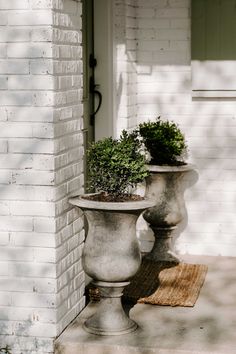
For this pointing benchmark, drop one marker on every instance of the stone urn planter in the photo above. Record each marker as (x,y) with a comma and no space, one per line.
(111,256)
(167,149)
(165,185)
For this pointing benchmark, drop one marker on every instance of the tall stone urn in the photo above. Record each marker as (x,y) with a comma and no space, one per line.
(165,185)
(111,256)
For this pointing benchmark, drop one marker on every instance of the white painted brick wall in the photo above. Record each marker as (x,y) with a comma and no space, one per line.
(164,88)
(126,43)
(41,236)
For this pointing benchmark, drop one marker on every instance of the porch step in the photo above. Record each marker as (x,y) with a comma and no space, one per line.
(206,328)
(97,348)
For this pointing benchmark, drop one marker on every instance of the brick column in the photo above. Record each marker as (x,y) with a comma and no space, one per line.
(41,151)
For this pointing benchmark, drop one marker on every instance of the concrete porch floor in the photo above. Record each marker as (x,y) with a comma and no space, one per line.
(208,327)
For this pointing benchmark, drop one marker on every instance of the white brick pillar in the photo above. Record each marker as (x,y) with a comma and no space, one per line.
(41,151)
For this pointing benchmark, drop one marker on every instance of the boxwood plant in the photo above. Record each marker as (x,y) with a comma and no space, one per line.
(164,141)
(116,165)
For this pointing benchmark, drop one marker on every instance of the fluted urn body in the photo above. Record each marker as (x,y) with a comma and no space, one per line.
(111,256)
(165,186)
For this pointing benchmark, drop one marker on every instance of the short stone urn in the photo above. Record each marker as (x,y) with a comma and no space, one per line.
(165,185)
(111,256)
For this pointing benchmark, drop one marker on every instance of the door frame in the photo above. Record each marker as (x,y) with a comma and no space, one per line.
(105,72)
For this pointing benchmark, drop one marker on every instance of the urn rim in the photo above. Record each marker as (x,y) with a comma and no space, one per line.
(168,168)
(81,202)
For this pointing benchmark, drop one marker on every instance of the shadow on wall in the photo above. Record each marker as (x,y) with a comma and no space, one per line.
(164,88)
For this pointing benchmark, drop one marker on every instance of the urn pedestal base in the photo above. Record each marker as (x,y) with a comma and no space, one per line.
(163,249)
(110,317)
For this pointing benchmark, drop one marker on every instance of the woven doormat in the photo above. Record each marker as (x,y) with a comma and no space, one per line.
(163,283)
(166,283)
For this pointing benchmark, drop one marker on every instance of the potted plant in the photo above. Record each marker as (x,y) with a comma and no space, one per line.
(111,254)
(166,145)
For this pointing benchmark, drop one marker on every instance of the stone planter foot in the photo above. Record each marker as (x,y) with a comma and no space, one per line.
(110,317)
(168,257)
(162,248)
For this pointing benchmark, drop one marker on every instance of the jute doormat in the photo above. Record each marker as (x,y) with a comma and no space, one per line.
(166,283)
(162,283)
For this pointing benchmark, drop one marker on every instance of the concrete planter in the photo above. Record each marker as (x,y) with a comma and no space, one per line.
(111,256)
(164,184)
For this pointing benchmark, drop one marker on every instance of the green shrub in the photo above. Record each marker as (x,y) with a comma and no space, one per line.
(116,165)
(164,141)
